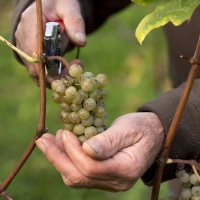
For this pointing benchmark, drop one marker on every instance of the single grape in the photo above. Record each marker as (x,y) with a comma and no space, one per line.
(68,81)
(194,179)
(76,107)
(98,121)
(83,113)
(67,100)
(186,194)
(75,70)
(95,94)
(60,89)
(100,129)
(96,83)
(90,131)
(55,83)
(89,104)
(184,178)
(82,138)
(85,95)
(102,80)
(195,189)
(88,121)
(87,85)
(74,118)
(66,107)
(70,92)
(100,103)
(69,126)
(89,74)
(196,197)
(57,97)
(64,117)
(99,111)
(78,98)
(79,129)
(103,93)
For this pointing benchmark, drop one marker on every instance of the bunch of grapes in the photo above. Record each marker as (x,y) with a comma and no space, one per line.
(81,97)
(190,187)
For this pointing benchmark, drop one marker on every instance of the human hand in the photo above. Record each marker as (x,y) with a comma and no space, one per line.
(113,160)
(26,34)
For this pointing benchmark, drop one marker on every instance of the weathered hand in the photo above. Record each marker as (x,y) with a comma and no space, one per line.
(113,160)
(26,34)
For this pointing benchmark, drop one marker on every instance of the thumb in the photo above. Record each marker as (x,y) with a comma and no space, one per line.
(120,135)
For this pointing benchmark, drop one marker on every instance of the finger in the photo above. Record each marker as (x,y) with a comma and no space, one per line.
(58,140)
(69,12)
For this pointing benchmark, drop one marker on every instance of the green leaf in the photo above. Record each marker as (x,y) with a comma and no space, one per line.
(175,11)
(145,2)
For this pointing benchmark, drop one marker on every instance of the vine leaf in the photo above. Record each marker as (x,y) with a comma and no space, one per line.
(175,11)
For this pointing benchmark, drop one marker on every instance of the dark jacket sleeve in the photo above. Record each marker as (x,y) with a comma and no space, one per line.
(94,14)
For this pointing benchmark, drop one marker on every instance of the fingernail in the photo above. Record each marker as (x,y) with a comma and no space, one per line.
(40,145)
(58,136)
(94,145)
(80,37)
(64,137)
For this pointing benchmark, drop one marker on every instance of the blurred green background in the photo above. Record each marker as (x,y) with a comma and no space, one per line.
(136,73)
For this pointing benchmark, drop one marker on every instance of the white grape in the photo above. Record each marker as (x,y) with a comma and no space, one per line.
(89,104)
(186,194)
(83,113)
(60,89)
(195,189)
(82,138)
(64,116)
(76,107)
(88,121)
(87,85)
(98,121)
(74,118)
(78,98)
(69,126)
(95,94)
(179,172)
(67,100)
(194,179)
(90,131)
(184,178)
(102,80)
(66,107)
(103,93)
(196,197)
(55,83)
(100,103)
(75,70)
(57,97)
(85,95)
(70,92)
(99,111)
(79,129)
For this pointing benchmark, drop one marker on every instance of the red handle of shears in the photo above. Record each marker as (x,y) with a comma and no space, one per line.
(62,27)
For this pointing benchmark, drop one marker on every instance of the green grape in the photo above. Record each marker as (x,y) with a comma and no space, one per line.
(96,83)
(102,80)
(85,95)
(90,131)
(95,94)
(74,118)
(66,107)
(196,197)
(57,97)
(70,92)
(89,74)
(75,70)
(83,113)
(78,98)
(195,189)
(103,93)
(89,104)
(67,100)
(79,129)
(179,172)
(98,121)
(186,194)
(184,178)
(69,126)
(60,89)
(82,78)
(82,138)
(100,103)
(99,111)
(55,83)
(88,121)
(76,107)
(194,179)
(100,129)
(64,117)
(87,85)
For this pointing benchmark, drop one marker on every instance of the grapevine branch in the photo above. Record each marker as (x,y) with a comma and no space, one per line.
(41,123)
(195,60)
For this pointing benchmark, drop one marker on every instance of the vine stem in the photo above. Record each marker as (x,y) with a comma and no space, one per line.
(41,123)
(61,59)
(170,136)
(24,55)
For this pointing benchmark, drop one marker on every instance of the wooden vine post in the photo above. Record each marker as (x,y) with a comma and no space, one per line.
(195,61)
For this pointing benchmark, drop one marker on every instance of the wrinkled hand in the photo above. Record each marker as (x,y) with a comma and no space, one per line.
(26,34)
(113,160)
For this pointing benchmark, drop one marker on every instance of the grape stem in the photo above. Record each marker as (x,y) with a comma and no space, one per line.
(24,55)
(162,159)
(61,59)
(41,122)
(194,164)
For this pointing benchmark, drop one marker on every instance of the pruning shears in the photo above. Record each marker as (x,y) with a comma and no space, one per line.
(52,47)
